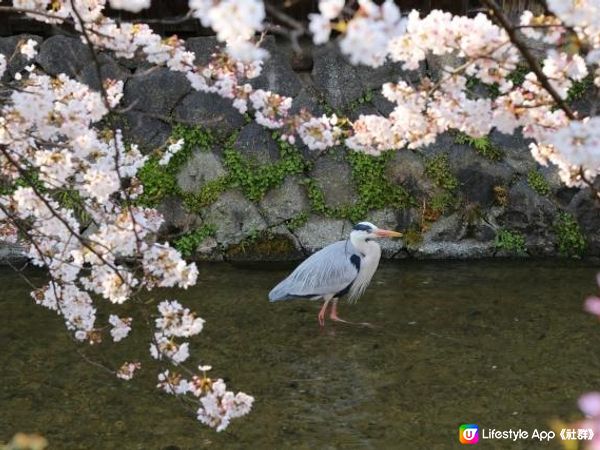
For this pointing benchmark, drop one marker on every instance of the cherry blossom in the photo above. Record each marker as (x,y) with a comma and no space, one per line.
(320,27)
(171,150)
(165,348)
(2,65)
(121,327)
(218,406)
(28,49)
(330,9)
(235,23)
(128,369)
(173,383)
(130,5)
(175,320)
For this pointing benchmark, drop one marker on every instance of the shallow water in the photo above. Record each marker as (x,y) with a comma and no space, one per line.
(500,344)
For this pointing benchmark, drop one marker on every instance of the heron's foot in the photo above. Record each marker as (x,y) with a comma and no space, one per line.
(336,318)
(333,316)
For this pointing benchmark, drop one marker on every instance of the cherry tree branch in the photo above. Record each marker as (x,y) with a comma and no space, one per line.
(535,67)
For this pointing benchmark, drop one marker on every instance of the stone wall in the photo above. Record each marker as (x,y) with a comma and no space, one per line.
(237,192)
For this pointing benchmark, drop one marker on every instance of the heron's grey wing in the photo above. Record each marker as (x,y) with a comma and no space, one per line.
(328,271)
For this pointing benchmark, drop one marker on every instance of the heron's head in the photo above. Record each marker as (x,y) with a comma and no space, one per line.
(366,231)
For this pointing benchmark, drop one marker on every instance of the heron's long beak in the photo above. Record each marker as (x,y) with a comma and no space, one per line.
(388,233)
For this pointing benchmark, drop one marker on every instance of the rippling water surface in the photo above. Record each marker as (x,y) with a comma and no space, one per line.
(500,344)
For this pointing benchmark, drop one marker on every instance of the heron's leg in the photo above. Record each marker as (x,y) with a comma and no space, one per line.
(323,311)
(333,316)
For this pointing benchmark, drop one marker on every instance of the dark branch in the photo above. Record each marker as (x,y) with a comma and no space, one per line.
(535,67)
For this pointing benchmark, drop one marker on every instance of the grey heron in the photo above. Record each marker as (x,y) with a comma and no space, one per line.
(344,267)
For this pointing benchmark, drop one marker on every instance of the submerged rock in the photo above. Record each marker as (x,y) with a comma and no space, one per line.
(277,244)
(466,249)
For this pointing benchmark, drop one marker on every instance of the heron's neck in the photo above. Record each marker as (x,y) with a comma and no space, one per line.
(370,248)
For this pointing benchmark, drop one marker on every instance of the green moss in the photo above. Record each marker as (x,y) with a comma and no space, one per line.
(71,199)
(208,194)
(511,241)
(538,183)
(517,76)
(412,237)
(373,189)
(482,145)
(368,175)
(194,137)
(442,202)
(501,195)
(367,97)
(579,88)
(297,221)
(158,183)
(316,197)
(327,108)
(161,181)
(571,241)
(255,181)
(438,169)
(189,242)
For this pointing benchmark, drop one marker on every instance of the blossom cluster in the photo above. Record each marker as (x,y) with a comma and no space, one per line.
(71,192)
(128,369)
(174,321)
(366,35)
(483,51)
(216,405)
(235,23)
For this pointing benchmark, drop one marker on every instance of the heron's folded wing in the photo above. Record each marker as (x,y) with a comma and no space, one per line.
(328,271)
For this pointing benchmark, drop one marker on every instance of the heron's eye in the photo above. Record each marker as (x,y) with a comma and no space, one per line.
(363,227)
